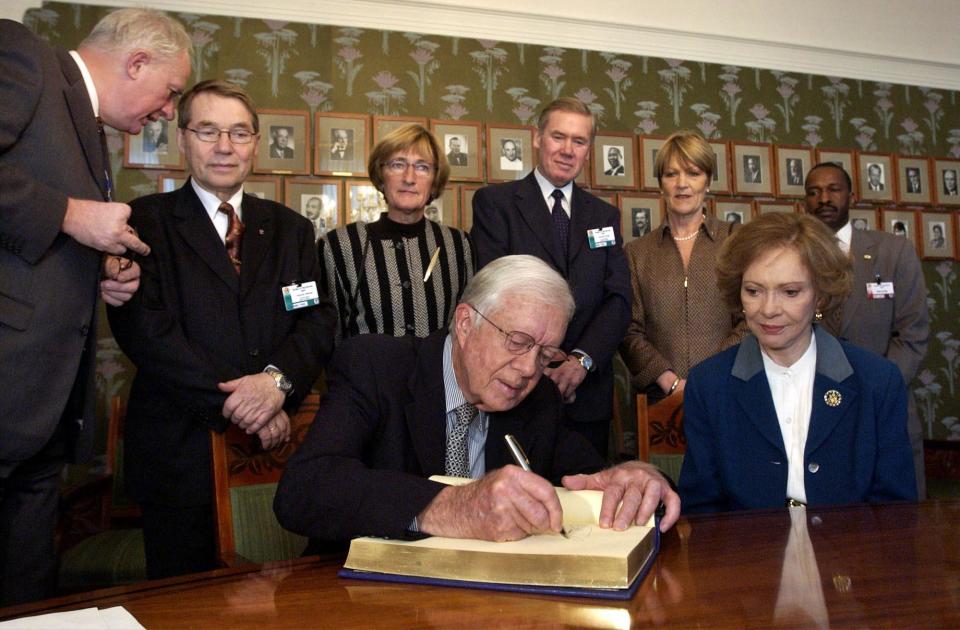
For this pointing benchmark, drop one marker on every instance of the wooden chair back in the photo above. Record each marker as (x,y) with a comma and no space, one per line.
(660,426)
(245,479)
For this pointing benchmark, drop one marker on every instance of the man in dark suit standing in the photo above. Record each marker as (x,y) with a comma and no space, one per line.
(57,221)
(887,309)
(228,325)
(547,215)
(401,409)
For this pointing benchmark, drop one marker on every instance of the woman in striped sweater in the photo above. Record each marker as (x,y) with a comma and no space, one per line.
(402,274)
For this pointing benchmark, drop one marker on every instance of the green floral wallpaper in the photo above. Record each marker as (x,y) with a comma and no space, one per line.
(327,68)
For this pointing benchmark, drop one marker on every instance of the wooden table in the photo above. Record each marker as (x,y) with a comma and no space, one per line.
(861,566)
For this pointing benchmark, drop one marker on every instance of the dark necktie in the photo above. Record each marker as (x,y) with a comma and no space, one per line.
(561,221)
(457,462)
(105,154)
(234,234)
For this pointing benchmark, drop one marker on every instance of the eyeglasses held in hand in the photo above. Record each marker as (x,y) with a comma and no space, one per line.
(520,343)
(238,135)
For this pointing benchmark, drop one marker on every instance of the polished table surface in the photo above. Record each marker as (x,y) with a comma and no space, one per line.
(874,566)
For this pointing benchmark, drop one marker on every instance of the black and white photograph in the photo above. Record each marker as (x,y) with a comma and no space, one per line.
(282,145)
(876,175)
(640,222)
(946,181)
(753,165)
(876,178)
(155,147)
(342,144)
(913,181)
(282,142)
(456,145)
(511,154)
(462,142)
(640,214)
(733,210)
(792,165)
(794,172)
(949,179)
(913,174)
(752,172)
(938,235)
(319,200)
(613,160)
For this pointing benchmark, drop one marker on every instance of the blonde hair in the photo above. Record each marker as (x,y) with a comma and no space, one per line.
(815,243)
(689,147)
(418,138)
(126,30)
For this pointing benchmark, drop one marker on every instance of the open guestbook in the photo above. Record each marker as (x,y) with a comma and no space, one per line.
(589,561)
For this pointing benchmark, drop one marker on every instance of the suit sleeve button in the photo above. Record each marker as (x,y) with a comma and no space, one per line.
(813,467)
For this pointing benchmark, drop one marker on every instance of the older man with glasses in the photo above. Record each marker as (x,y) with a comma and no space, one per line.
(228,325)
(399,410)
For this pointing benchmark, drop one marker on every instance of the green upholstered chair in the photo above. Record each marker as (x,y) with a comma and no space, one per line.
(245,480)
(660,437)
(97,545)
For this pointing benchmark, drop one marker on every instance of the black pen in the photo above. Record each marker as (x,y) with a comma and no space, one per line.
(521,458)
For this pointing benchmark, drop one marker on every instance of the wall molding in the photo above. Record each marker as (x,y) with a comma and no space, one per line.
(444,18)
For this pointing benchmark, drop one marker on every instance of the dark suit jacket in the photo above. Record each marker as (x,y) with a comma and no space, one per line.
(195,323)
(457,159)
(276,151)
(897,329)
(381,431)
(49,150)
(856,452)
(513,218)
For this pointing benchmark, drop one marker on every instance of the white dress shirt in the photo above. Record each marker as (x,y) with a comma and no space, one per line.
(211,203)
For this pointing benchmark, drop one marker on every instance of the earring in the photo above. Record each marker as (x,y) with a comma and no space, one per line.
(817,315)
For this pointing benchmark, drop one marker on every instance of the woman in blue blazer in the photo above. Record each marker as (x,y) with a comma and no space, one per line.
(792,415)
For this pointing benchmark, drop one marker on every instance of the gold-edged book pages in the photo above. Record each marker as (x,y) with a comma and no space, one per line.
(590,557)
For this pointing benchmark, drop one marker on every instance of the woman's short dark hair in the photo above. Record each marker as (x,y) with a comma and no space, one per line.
(815,243)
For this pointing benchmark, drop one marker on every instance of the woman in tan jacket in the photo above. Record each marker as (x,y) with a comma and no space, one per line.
(678,316)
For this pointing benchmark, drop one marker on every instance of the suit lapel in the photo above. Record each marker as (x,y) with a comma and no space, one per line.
(752,392)
(84,120)
(426,414)
(828,409)
(259,224)
(198,232)
(863,257)
(532,207)
(581,213)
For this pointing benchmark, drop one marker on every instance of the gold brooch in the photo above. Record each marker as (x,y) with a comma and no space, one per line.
(832,398)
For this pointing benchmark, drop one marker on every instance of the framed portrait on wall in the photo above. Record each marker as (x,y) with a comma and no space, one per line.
(733,210)
(510,153)
(461,140)
(319,200)
(649,146)
(466,206)
(382,125)
(946,182)
(720,183)
(864,218)
(937,235)
(154,147)
(913,180)
(900,222)
(284,144)
(445,208)
(614,161)
(877,180)
(640,214)
(603,195)
(845,159)
(342,144)
(264,186)
(170,181)
(766,206)
(752,170)
(364,202)
(793,164)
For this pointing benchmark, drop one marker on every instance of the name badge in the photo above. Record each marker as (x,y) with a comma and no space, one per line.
(880,290)
(300,295)
(601,237)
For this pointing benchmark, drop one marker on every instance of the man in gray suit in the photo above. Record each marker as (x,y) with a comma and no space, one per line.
(887,310)
(57,222)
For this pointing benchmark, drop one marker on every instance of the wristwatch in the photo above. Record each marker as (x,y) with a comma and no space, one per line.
(283,383)
(585,361)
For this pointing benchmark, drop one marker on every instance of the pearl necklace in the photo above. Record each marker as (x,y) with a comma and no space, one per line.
(687,237)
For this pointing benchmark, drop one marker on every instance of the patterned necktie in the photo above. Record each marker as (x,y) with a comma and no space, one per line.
(561,221)
(105,153)
(457,463)
(234,234)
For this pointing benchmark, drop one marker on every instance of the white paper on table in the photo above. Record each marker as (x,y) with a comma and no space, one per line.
(116,618)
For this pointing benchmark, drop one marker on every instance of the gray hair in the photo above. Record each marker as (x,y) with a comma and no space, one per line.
(126,30)
(517,275)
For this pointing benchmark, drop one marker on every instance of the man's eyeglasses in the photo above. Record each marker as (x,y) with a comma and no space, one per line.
(520,343)
(399,166)
(238,135)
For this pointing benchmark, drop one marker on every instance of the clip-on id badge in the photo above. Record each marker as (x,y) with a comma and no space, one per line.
(298,295)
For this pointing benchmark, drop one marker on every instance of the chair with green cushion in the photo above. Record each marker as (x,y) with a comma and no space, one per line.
(245,479)
(660,437)
(95,550)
